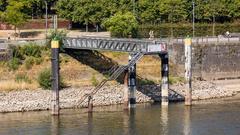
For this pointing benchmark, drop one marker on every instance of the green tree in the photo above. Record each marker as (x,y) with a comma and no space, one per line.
(122,25)
(15,13)
(148,11)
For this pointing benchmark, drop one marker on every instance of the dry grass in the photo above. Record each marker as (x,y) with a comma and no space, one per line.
(11,85)
(76,74)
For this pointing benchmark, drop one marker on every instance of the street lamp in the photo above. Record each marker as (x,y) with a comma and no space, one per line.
(46,19)
(193,18)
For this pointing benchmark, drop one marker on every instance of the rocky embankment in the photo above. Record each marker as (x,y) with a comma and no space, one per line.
(29,100)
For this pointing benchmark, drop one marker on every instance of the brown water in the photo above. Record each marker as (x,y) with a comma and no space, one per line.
(147,119)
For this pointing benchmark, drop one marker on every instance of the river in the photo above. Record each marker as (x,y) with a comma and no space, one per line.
(146,119)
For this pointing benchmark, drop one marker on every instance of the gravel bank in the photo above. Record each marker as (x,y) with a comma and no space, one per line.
(30,100)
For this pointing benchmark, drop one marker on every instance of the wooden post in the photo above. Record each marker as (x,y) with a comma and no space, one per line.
(165,78)
(90,104)
(125,91)
(55,77)
(188,71)
(132,85)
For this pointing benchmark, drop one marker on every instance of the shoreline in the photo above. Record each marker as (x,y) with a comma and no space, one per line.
(70,98)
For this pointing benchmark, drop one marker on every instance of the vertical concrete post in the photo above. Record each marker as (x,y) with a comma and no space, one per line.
(125,91)
(165,78)
(188,71)
(132,84)
(90,104)
(55,77)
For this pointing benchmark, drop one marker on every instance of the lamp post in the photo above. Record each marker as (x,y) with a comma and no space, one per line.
(193,18)
(46,19)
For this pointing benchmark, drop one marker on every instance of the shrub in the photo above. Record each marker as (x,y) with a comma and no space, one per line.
(29,62)
(22,78)
(94,81)
(122,25)
(38,61)
(45,79)
(31,50)
(13,64)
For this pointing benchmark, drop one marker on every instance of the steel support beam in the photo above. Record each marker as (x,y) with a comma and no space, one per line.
(165,78)
(132,84)
(55,77)
(125,91)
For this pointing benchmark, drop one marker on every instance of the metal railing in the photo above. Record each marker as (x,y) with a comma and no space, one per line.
(115,72)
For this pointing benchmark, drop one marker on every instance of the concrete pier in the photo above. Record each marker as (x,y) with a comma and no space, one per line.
(188,71)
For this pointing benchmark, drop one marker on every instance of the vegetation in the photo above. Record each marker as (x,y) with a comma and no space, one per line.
(44,79)
(122,25)
(22,78)
(13,64)
(94,81)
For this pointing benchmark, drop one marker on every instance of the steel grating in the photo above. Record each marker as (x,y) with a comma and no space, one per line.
(114,44)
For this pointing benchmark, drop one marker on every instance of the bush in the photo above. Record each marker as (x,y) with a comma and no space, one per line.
(183,29)
(45,81)
(38,61)
(29,62)
(122,25)
(94,81)
(22,78)
(13,64)
(31,50)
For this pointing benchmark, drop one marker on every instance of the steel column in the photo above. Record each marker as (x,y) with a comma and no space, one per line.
(165,77)
(55,77)
(90,104)
(132,84)
(125,91)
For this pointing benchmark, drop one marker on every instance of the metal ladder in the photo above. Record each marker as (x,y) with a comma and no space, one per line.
(114,72)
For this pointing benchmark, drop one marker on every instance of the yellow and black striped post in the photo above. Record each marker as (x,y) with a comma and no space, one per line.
(55,77)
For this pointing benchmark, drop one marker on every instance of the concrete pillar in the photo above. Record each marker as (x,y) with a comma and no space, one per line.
(55,77)
(125,91)
(132,85)
(188,71)
(165,77)
(90,104)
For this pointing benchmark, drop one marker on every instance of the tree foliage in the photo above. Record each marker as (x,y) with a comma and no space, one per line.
(122,25)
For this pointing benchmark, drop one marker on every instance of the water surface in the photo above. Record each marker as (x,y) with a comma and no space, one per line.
(146,119)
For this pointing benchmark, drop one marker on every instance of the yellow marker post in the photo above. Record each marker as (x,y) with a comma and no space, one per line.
(55,77)
(54,44)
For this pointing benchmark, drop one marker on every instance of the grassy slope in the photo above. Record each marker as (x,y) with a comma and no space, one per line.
(74,73)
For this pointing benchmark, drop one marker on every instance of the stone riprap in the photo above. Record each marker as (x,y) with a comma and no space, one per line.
(30,100)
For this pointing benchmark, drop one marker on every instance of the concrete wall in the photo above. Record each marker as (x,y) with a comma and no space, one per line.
(37,24)
(210,61)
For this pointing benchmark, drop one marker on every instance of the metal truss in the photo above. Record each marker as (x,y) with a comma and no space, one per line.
(114,44)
